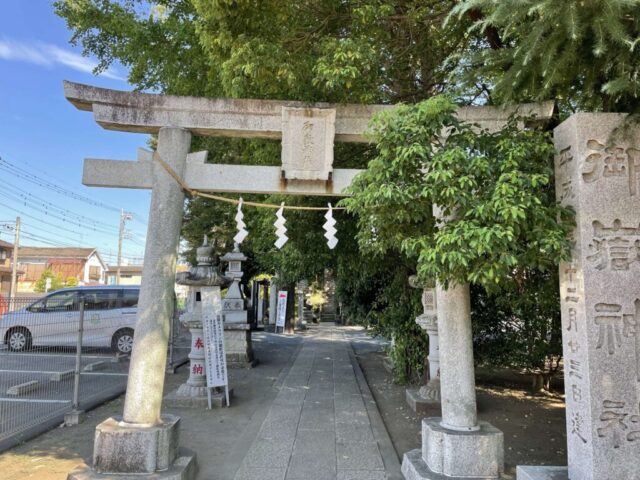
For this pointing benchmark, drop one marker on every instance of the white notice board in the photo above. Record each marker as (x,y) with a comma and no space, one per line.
(214,352)
(281,308)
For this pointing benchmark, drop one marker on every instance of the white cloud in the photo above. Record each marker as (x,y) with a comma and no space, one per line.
(49,55)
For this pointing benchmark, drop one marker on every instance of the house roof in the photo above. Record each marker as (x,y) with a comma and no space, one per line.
(65,261)
(7,245)
(50,252)
(126,269)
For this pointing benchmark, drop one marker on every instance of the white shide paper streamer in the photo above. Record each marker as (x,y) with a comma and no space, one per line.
(280,228)
(240,225)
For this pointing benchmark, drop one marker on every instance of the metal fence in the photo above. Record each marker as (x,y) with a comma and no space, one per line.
(62,353)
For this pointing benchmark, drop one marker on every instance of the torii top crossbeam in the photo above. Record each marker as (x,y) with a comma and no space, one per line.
(307,131)
(227,117)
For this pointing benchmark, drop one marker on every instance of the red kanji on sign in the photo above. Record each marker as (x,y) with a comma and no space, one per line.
(197,370)
(199,343)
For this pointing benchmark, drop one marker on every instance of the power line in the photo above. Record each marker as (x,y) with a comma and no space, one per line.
(71,221)
(65,227)
(45,241)
(42,207)
(40,238)
(9,227)
(44,183)
(21,212)
(30,177)
(56,235)
(27,196)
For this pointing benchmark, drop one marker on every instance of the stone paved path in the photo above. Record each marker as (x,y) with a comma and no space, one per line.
(323,424)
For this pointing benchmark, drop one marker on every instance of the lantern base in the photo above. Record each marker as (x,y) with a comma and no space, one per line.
(182,397)
(424,405)
(238,345)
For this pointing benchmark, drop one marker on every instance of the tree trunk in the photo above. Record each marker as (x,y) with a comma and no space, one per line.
(538,383)
(291,300)
(541,382)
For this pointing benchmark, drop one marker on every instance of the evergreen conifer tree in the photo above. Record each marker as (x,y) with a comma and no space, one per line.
(585,54)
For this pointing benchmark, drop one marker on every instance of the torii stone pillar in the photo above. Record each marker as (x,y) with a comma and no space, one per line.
(155,306)
(456,445)
(143,441)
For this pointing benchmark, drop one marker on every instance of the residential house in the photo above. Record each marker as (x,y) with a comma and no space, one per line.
(129,274)
(6,253)
(83,264)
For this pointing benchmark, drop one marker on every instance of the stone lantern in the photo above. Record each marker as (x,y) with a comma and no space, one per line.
(237,330)
(301,289)
(234,306)
(200,280)
(428,396)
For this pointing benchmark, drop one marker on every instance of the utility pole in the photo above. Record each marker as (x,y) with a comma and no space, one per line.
(14,262)
(124,217)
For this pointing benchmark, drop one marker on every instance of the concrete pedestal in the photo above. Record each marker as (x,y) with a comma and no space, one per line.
(238,346)
(122,450)
(455,454)
(542,473)
(184,399)
(74,417)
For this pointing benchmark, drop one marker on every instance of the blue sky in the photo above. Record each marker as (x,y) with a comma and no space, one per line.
(42,134)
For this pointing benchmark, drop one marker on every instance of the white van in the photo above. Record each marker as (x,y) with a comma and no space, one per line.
(109,319)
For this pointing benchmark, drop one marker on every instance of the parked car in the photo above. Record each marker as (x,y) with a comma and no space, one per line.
(109,319)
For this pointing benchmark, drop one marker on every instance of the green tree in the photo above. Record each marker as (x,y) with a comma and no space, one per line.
(506,233)
(586,55)
(498,187)
(329,50)
(57,282)
(519,328)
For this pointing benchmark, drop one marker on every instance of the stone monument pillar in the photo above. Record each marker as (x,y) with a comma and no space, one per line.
(456,445)
(596,168)
(237,330)
(193,393)
(273,300)
(143,441)
(301,287)
(427,397)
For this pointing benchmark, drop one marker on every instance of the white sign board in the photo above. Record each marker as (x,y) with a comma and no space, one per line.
(213,332)
(281,309)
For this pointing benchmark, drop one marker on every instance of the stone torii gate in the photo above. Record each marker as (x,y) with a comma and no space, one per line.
(143,441)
